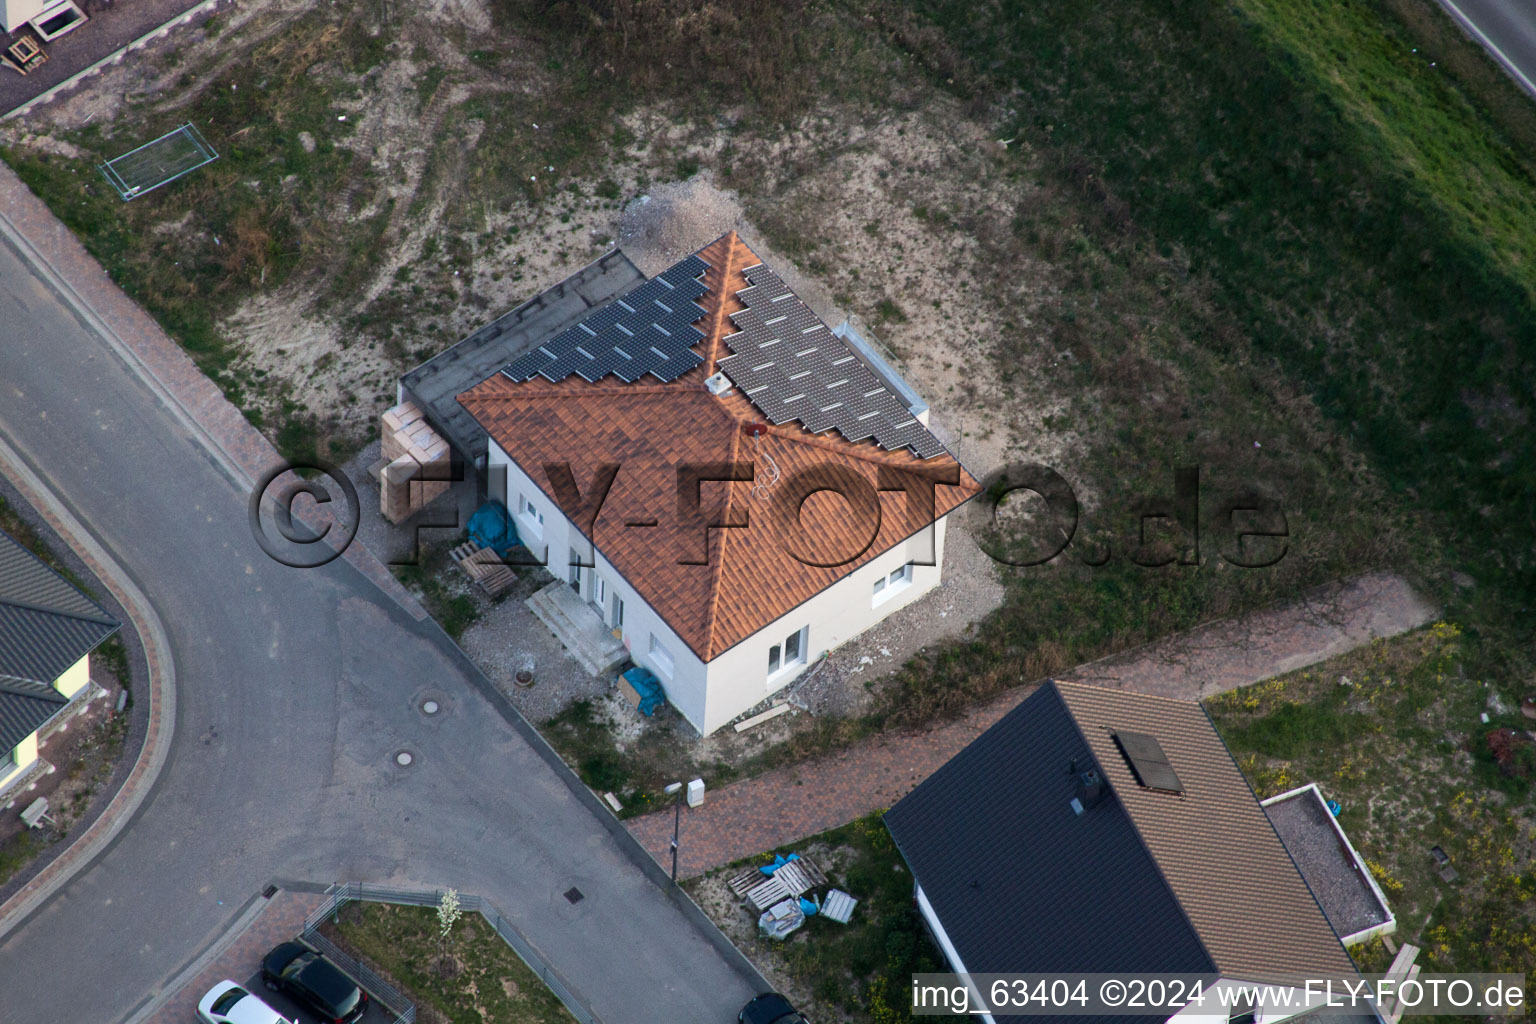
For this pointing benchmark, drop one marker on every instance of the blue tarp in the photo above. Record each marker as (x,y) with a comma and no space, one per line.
(779,860)
(491,527)
(648,687)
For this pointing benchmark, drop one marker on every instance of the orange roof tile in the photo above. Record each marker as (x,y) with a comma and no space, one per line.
(714,586)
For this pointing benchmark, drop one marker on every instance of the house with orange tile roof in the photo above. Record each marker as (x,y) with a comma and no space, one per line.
(731,486)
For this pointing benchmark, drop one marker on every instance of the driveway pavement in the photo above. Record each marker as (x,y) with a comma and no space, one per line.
(295,689)
(780,807)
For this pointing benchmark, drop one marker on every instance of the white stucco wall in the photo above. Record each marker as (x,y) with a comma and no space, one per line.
(14,13)
(738,678)
(74,678)
(711,695)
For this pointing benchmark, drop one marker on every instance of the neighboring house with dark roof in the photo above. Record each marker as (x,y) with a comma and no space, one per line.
(1095,830)
(48,629)
(728,589)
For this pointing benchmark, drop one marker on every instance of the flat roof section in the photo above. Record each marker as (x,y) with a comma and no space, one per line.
(436,384)
(1333,870)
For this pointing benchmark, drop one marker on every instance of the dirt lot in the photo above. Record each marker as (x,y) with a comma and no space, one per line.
(406,239)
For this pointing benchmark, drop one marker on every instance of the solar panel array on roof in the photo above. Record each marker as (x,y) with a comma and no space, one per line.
(792,367)
(648,330)
(1148,761)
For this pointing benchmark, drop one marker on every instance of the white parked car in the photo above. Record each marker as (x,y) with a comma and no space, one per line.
(228,1003)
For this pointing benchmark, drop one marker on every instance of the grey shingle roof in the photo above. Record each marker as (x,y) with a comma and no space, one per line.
(25,707)
(1144,881)
(1019,881)
(46,625)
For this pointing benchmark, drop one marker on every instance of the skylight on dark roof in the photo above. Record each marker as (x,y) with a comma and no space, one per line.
(1148,762)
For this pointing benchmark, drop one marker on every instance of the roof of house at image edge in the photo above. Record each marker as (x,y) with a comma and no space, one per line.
(46,625)
(649,426)
(1144,881)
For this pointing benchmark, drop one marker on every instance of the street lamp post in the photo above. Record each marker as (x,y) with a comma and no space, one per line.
(677,821)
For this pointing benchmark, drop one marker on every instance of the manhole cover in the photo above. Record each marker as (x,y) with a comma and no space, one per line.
(404,758)
(430,707)
(575,895)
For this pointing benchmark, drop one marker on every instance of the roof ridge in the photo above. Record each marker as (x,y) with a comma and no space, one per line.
(717,568)
(1074,684)
(105,618)
(102,620)
(51,697)
(1189,922)
(714,337)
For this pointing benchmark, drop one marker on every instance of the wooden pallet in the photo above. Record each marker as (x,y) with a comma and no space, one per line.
(790,881)
(839,906)
(25,55)
(482,566)
(806,874)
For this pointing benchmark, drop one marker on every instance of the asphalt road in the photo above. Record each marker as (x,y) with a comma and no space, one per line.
(295,690)
(1506,29)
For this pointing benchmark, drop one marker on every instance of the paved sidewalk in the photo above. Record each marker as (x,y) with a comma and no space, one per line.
(235,955)
(243,453)
(791,803)
(28,224)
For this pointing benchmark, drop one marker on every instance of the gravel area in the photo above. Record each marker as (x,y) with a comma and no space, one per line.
(508,634)
(1346,898)
(847,682)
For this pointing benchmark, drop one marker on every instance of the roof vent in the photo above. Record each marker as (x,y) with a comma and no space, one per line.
(1148,762)
(719,384)
(1090,790)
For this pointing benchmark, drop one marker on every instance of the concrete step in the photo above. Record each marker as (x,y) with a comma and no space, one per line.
(585,636)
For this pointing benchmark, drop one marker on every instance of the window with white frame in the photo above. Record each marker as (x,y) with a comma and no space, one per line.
(888,585)
(618,611)
(789,654)
(529,513)
(661,658)
(575,572)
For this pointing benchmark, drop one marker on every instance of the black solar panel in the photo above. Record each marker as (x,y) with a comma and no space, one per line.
(1148,761)
(648,330)
(792,367)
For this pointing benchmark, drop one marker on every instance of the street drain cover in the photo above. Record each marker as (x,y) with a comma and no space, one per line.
(429,707)
(404,758)
(574,895)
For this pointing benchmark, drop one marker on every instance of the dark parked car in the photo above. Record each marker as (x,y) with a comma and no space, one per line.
(769,1008)
(314,981)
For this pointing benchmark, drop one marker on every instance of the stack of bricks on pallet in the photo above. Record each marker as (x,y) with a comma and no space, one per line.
(418,467)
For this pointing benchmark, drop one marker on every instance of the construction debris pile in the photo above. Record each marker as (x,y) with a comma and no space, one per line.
(782,895)
(418,465)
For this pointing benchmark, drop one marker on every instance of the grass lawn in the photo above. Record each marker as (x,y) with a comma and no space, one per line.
(1394,733)
(1363,219)
(492,982)
(17,852)
(860,971)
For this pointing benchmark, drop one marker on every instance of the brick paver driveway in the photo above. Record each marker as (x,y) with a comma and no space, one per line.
(782,806)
